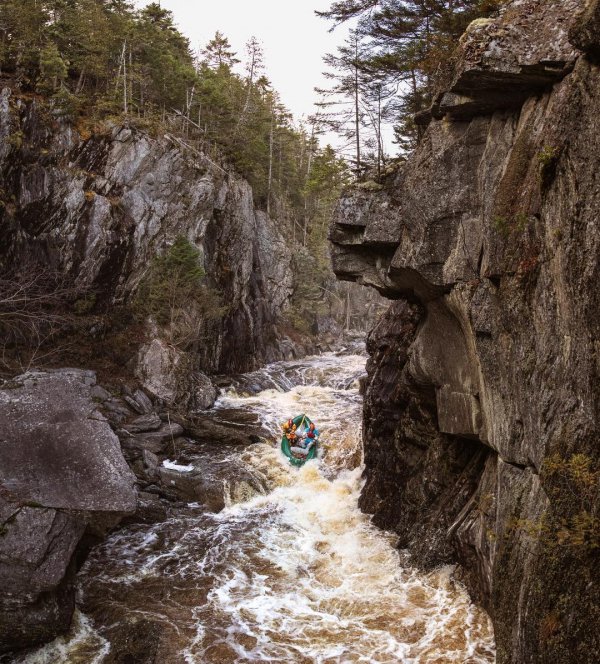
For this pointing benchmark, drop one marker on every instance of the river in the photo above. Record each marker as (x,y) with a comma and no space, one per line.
(289,571)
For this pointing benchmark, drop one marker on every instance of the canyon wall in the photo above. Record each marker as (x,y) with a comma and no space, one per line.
(98,206)
(482,414)
(100,203)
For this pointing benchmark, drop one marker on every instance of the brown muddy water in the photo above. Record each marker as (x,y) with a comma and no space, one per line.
(290,571)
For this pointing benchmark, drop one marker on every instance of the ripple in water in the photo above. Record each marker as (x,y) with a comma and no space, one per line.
(297,575)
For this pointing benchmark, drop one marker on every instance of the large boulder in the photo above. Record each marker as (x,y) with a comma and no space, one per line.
(62,476)
(169,375)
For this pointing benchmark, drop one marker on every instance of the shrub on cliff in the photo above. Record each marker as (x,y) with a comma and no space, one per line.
(175,295)
(573,485)
(572,523)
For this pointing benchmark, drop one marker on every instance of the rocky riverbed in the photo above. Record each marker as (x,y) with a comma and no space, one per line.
(233,555)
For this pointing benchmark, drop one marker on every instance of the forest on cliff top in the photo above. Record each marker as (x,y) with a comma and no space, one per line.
(103,58)
(99,62)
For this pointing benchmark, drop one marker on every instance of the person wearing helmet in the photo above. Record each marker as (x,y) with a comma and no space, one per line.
(303,445)
(292,436)
(311,436)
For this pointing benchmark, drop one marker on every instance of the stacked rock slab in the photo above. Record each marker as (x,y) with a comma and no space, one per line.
(490,232)
(63,481)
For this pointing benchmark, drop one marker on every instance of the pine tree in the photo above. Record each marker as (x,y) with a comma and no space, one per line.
(53,69)
(408,43)
(380,107)
(342,107)
(254,65)
(217,53)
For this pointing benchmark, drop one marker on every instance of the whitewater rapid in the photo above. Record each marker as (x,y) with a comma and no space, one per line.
(294,572)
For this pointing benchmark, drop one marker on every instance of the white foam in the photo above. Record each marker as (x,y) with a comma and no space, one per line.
(297,574)
(82,644)
(171,465)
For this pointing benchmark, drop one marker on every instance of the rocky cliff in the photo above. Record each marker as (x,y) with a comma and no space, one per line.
(100,203)
(482,412)
(98,206)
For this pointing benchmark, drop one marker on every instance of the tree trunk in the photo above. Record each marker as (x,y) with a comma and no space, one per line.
(79,85)
(356,111)
(121,61)
(279,168)
(308,168)
(130,76)
(125,109)
(270,179)
(379,146)
(248,94)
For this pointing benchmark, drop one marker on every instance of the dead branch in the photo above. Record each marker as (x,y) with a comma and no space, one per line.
(36,304)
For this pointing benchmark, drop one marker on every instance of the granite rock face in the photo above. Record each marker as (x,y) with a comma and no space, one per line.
(490,231)
(170,375)
(100,207)
(585,32)
(63,480)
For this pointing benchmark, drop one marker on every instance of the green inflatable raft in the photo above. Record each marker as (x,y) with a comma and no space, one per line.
(301,422)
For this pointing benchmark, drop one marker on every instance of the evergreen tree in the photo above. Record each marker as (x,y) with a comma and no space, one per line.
(380,107)
(168,71)
(254,65)
(23,37)
(218,53)
(409,43)
(342,101)
(53,69)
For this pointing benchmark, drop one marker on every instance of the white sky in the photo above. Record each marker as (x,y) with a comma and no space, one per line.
(293,38)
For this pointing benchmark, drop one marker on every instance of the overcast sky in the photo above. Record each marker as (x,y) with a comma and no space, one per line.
(294,39)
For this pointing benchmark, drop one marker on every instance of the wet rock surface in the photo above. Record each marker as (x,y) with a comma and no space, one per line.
(199,447)
(144,423)
(76,460)
(490,230)
(62,476)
